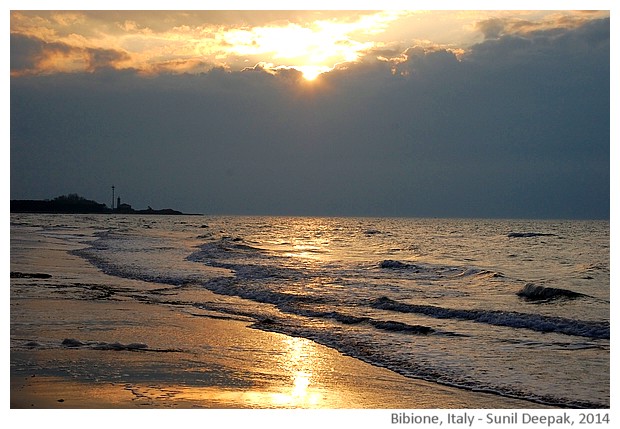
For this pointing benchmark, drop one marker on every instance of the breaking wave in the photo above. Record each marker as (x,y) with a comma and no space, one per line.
(534,292)
(439,270)
(534,322)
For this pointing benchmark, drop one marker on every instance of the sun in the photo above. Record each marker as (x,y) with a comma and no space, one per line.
(311,72)
(313,48)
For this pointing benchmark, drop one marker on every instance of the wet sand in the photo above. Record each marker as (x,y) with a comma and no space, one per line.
(122,351)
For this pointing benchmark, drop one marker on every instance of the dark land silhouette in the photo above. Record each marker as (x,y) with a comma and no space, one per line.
(73,203)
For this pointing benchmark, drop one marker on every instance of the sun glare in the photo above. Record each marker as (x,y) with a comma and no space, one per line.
(313,48)
(310,73)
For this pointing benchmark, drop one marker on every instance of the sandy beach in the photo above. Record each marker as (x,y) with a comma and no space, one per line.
(81,339)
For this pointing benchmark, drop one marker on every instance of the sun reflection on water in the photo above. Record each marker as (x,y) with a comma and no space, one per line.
(299,361)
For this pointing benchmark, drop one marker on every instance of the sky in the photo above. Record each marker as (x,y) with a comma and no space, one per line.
(436,113)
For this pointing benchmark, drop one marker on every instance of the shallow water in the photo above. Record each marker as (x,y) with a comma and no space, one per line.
(517,308)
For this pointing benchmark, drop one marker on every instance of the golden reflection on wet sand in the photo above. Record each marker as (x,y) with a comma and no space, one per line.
(299,361)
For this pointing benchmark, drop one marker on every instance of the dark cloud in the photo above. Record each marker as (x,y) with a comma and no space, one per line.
(27,53)
(104,58)
(493,28)
(24,52)
(519,127)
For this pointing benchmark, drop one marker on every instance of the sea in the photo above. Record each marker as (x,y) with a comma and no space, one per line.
(515,308)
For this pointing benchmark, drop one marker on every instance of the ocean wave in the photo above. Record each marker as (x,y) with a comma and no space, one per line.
(593,268)
(437,271)
(286,301)
(345,319)
(398,265)
(539,293)
(535,322)
(224,249)
(554,345)
(390,325)
(529,234)
(384,325)
(92,255)
(234,244)
(479,273)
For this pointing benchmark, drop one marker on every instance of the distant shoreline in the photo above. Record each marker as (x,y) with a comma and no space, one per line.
(74,204)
